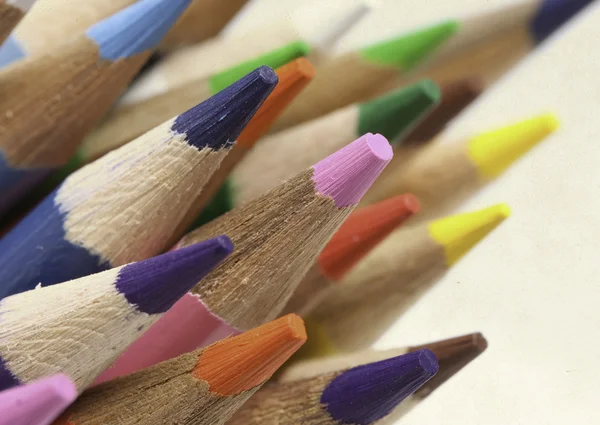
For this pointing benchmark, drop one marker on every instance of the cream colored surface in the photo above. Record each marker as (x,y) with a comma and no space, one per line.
(87,313)
(532,287)
(125,206)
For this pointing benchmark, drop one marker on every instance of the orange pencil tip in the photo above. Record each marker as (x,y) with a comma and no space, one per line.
(362,231)
(293,78)
(242,362)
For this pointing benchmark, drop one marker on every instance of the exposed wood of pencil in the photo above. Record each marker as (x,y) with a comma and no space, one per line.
(9,18)
(204,387)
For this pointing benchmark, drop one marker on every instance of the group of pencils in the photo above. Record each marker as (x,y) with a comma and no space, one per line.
(207,230)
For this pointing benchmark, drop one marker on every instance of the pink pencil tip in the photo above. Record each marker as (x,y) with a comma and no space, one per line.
(38,402)
(346,175)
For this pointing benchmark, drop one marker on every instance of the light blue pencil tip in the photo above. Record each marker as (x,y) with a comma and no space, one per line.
(137,28)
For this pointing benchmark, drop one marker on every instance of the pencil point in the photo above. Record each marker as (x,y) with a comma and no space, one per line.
(137,28)
(397,112)
(362,231)
(293,77)
(40,401)
(274,59)
(365,394)
(552,14)
(218,121)
(457,234)
(154,285)
(347,174)
(494,151)
(242,362)
(408,50)
(453,354)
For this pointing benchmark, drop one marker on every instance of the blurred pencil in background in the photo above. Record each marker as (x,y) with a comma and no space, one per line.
(362,231)
(11,13)
(444,174)
(392,277)
(79,327)
(204,387)
(363,74)
(360,395)
(37,403)
(453,355)
(44,122)
(126,206)
(295,220)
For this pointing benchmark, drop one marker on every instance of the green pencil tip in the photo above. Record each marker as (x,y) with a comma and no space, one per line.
(396,113)
(408,50)
(274,59)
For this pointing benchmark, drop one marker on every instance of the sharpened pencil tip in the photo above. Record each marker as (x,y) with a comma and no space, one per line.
(494,151)
(458,234)
(218,121)
(154,285)
(293,77)
(367,393)
(347,174)
(552,14)
(137,28)
(396,113)
(362,231)
(40,401)
(242,362)
(453,354)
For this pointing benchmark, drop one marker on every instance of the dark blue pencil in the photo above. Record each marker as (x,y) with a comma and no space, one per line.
(126,206)
(50,102)
(79,327)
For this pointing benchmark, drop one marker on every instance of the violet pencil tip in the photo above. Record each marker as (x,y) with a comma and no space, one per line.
(154,285)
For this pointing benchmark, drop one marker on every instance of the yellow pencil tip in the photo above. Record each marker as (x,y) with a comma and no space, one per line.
(459,233)
(495,151)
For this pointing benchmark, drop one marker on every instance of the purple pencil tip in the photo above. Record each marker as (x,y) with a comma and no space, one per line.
(346,175)
(38,402)
(365,394)
(218,121)
(154,285)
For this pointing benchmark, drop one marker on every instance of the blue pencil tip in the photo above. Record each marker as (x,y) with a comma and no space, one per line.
(552,14)
(218,121)
(365,394)
(137,28)
(156,284)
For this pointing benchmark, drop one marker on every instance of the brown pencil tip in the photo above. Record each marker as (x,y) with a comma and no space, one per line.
(362,231)
(293,78)
(242,362)
(456,96)
(453,354)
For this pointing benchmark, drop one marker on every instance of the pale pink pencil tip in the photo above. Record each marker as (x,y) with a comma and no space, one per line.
(346,175)
(38,402)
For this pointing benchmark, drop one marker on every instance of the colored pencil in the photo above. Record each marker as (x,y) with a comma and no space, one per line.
(267,265)
(361,395)
(217,54)
(44,122)
(47,26)
(360,75)
(204,387)
(79,327)
(37,403)
(359,234)
(517,29)
(453,355)
(392,277)
(126,122)
(126,206)
(293,78)
(11,13)
(455,97)
(279,156)
(444,174)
